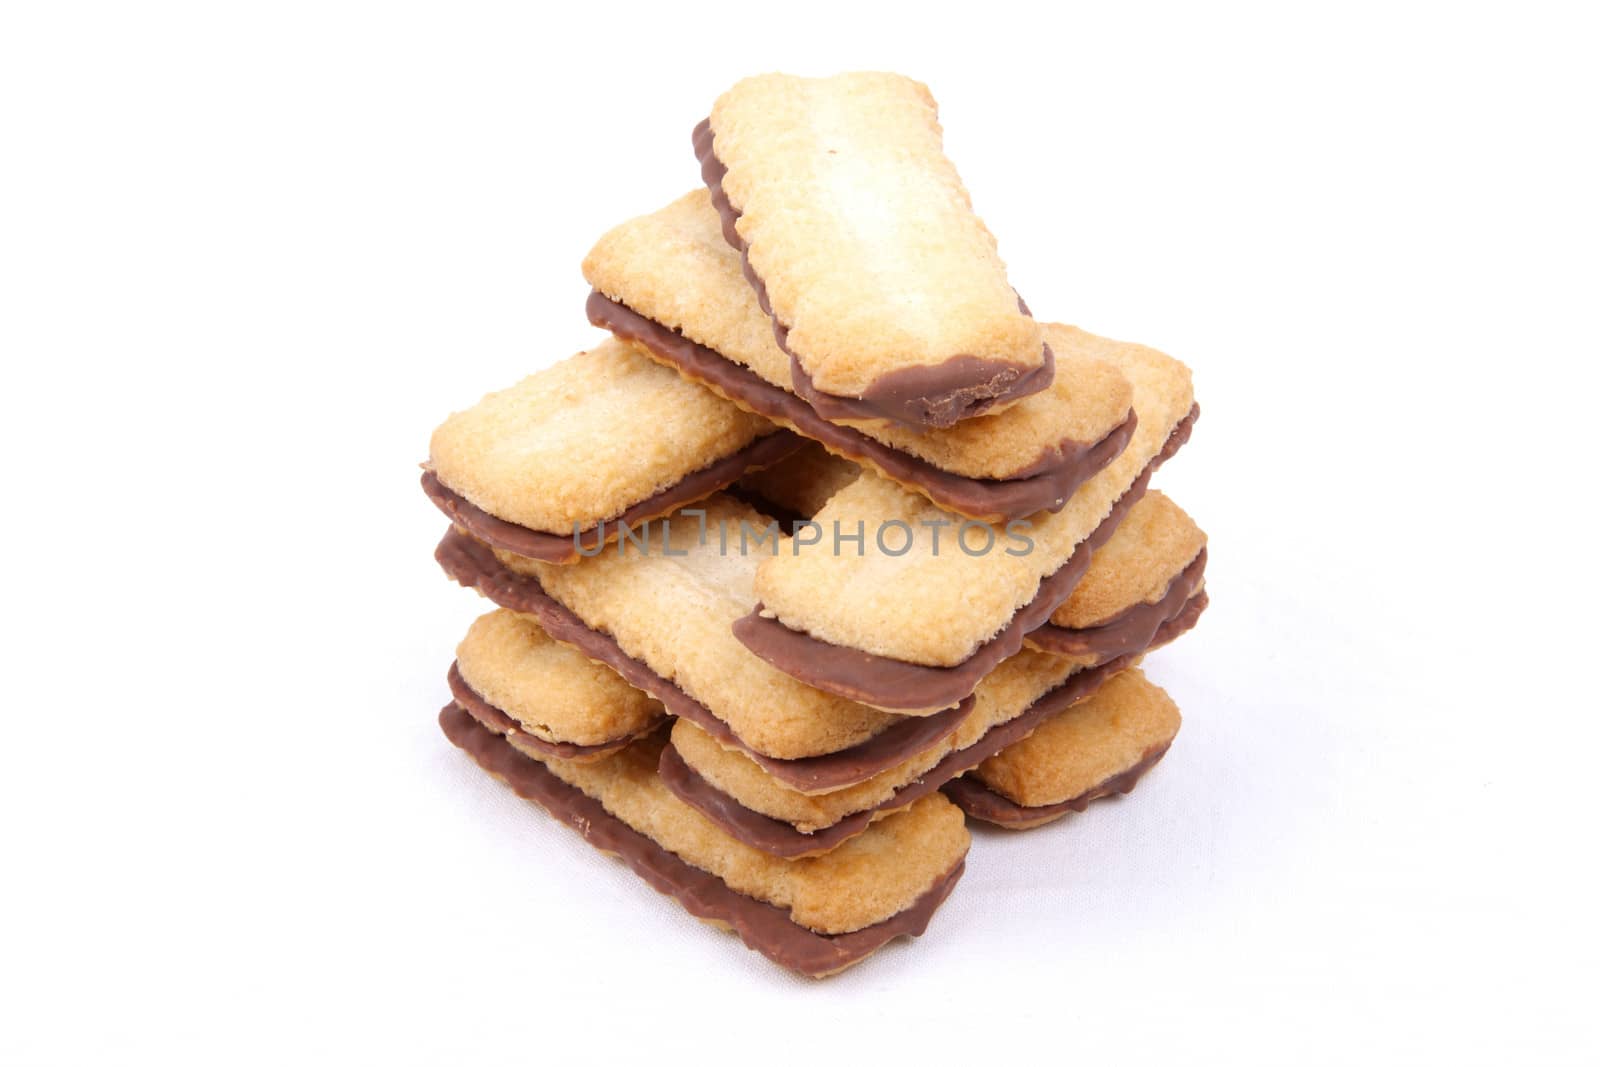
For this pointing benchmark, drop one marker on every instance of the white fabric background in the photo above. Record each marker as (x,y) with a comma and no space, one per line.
(251,254)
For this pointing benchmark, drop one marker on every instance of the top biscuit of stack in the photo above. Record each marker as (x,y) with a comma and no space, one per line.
(884,287)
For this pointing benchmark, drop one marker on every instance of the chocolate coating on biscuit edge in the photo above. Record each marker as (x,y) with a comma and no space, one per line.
(981,802)
(1132,628)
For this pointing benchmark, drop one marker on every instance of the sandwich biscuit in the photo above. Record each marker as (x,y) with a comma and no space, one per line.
(542,696)
(559,462)
(1150,575)
(907,621)
(1098,748)
(884,288)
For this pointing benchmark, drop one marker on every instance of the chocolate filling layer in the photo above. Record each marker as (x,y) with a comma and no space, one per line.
(1132,628)
(765,928)
(981,802)
(487,715)
(1044,485)
(937,395)
(564,548)
(474,565)
(778,838)
(884,682)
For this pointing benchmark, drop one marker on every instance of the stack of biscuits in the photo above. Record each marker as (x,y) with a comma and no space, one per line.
(829,548)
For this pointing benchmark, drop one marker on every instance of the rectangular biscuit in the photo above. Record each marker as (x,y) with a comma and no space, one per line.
(670,284)
(884,287)
(894,618)
(605,436)
(1095,749)
(814,916)
(544,696)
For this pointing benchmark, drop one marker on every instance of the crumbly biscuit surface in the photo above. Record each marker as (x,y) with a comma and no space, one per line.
(1090,742)
(860,229)
(674,267)
(935,609)
(585,439)
(864,881)
(553,692)
(675,613)
(1151,547)
(1004,694)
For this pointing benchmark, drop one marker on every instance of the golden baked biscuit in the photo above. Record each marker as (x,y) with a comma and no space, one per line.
(883,285)
(603,435)
(1097,748)
(1152,546)
(895,619)
(551,691)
